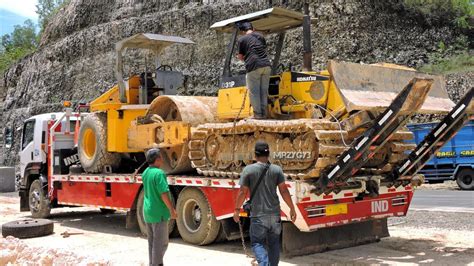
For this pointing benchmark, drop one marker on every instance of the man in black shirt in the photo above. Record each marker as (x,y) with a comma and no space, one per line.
(253,50)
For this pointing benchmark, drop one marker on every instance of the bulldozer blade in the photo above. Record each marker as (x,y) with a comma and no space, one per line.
(369,87)
(297,243)
(407,102)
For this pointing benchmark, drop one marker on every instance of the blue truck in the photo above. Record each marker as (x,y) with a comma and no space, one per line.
(454,161)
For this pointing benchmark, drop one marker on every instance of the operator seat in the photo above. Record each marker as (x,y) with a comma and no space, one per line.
(165,82)
(168,80)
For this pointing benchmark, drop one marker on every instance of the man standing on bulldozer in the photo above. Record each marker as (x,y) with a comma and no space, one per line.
(253,50)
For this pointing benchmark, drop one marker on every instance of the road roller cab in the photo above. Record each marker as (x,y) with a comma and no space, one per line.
(103,136)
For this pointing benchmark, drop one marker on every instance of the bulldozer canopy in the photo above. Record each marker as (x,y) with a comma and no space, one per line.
(155,42)
(365,87)
(270,20)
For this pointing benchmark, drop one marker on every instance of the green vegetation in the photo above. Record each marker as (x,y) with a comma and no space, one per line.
(21,42)
(24,39)
(457,12)
(454,57)
(449,59)
(46,9)
(458,63)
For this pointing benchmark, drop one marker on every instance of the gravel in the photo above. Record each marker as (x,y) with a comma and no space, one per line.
(435,220)
(422,237)
(14,251)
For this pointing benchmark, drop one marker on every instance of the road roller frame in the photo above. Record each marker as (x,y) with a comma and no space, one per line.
(158,135)
(130,99)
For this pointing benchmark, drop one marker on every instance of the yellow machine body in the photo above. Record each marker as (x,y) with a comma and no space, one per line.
(342,89)
(120,115)
(158,135)
(295,98)
(232,104)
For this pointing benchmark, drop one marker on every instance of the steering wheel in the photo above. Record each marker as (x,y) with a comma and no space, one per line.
(165,68)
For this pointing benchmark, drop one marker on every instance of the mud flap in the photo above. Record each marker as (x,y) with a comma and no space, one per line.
(297,243)
(131,219)
(24,204)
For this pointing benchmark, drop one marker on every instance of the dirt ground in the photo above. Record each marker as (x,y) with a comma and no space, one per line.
(441,240)
(446,185)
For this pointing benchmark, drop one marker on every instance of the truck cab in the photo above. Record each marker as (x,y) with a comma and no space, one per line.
(33,167)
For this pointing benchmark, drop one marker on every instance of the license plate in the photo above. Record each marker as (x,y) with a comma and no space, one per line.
(336,209)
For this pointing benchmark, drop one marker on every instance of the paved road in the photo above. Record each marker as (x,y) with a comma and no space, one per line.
(443,200)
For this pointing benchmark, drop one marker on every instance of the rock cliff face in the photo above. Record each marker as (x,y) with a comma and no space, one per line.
(76,58)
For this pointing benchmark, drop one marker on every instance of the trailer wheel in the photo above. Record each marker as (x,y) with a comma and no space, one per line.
(40,207)
(196,222)
(464,178)
(28,228)
(141,219)
(92,148)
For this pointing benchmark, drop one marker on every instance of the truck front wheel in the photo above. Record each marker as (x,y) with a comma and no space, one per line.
(141,218)
(464,178)
(196,222)
(40,207)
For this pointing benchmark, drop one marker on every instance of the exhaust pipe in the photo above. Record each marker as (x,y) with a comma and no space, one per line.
(307,53)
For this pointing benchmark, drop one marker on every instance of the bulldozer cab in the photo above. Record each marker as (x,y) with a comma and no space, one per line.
(269,21)
(343,89)
(285,88)
(164,80)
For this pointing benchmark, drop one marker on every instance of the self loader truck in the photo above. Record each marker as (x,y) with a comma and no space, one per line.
(339,135)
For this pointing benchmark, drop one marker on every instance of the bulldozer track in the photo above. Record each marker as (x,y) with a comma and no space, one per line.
(302,147)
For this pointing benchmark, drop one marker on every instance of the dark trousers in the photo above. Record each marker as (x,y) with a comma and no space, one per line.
(265,234)
(257,84)
(157,242)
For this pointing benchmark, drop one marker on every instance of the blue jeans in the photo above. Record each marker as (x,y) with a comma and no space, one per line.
(265,238)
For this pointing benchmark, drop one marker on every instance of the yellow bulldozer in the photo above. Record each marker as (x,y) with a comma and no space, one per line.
(315,115)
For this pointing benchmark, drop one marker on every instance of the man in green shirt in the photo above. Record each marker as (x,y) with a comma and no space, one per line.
(157,207)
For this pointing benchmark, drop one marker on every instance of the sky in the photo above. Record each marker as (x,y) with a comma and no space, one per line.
(15,12)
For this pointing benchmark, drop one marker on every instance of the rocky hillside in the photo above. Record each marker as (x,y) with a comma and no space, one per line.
(76,58)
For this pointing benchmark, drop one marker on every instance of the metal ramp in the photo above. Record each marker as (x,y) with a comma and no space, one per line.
(405,104)
(433,142)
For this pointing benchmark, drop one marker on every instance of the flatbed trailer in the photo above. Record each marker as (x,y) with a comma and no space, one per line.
(362,216)
(120,192)
(335,218)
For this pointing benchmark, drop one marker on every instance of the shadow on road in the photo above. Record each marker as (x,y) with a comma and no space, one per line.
(392,250)
(95,221)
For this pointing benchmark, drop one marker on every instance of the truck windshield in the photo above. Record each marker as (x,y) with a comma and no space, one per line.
(28,133)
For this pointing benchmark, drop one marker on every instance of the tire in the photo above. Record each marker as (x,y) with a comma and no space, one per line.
(172,231)
(92,148)
(196,222)
(107,211)
(28,228)
(40,206)
(465,179)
